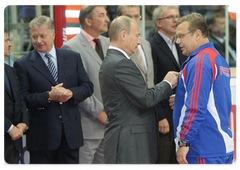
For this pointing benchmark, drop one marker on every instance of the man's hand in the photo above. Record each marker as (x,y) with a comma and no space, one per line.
(163,126)
(172,77)
(15,133)
(22,127)
(171,101)
(181,155)
(60,94)
(102,117)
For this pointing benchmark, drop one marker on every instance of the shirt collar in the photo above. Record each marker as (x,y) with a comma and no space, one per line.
(52,52)
(221,40)
(88,36)
(118,49)
(167,39)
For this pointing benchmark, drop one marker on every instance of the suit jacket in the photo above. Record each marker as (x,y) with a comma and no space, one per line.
(14,110)
(92,106)
(149,76)
(221,49)
(131,134)
(164,61)
(48,118)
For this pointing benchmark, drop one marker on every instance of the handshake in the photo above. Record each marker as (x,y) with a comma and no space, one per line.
(172,77)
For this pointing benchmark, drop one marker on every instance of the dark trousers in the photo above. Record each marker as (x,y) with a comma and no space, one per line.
(11,156)
(167,153)
(63,155)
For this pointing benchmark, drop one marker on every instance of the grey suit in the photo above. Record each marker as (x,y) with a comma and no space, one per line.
(149,76)
(131,134)
(92,106)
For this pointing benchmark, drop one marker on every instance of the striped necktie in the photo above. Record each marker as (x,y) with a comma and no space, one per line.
(52,68)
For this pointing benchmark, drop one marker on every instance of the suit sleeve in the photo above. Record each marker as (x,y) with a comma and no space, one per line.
(91,106)
(84,88)
(132,84)
(33,100)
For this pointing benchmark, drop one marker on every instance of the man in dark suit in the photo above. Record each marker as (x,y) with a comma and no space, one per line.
(15,114)
(167,56)
(216,23)
(131,134)
(53,81)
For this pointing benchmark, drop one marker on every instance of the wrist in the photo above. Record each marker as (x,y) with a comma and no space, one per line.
(49,99)
(183,143)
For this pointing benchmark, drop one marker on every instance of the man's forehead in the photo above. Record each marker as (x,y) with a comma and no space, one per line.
(181,28)
(129,10)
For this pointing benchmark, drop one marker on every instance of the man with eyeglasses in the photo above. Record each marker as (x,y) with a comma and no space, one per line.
(167,56)
(203,99)
(142,57)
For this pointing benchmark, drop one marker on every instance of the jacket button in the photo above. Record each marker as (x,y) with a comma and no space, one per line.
(60,117)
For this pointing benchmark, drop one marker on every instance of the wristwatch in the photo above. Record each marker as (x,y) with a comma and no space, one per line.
(182,143)
(48,97)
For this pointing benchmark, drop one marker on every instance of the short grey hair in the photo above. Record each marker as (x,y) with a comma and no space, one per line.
(157,13)
(42,20)
(119,24)
(86,12)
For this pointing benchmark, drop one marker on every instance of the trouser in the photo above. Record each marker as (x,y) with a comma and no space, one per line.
(92,152)
(12,156)
(167,150)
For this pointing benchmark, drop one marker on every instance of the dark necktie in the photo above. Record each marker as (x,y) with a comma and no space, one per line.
(6,80)
(52,68)
(99,48)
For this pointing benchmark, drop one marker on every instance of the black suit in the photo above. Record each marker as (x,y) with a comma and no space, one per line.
(164,61)
(53,122)
(14,113)
(221,49)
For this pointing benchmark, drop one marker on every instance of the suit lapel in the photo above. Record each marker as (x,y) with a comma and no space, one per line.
(40,66)
(89,49)
(62,65)
(104,46)
(135,59)
(10,81)
(164,47)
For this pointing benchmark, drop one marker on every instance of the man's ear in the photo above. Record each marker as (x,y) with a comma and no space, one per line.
(198,34)
(123,34)
(88,21)
(158,23)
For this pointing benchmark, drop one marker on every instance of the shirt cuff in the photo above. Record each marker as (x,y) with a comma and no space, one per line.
(168,83)
(10,128)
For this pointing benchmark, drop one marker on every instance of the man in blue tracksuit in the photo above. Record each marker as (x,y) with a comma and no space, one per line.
(203,99)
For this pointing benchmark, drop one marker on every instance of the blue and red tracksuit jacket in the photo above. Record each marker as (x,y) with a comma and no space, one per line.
(203,104)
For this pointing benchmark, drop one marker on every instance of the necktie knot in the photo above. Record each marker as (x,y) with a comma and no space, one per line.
(98,48)
(48,56)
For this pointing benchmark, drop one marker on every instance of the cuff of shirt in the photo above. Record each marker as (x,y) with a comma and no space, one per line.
(10,128)
(168,83)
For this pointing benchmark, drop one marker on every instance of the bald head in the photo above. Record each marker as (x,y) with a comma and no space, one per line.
(124,34)
(119,24)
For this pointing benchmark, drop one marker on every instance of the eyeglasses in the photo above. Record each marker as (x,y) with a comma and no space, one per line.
(135,17)
(170,17)
(180,36)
